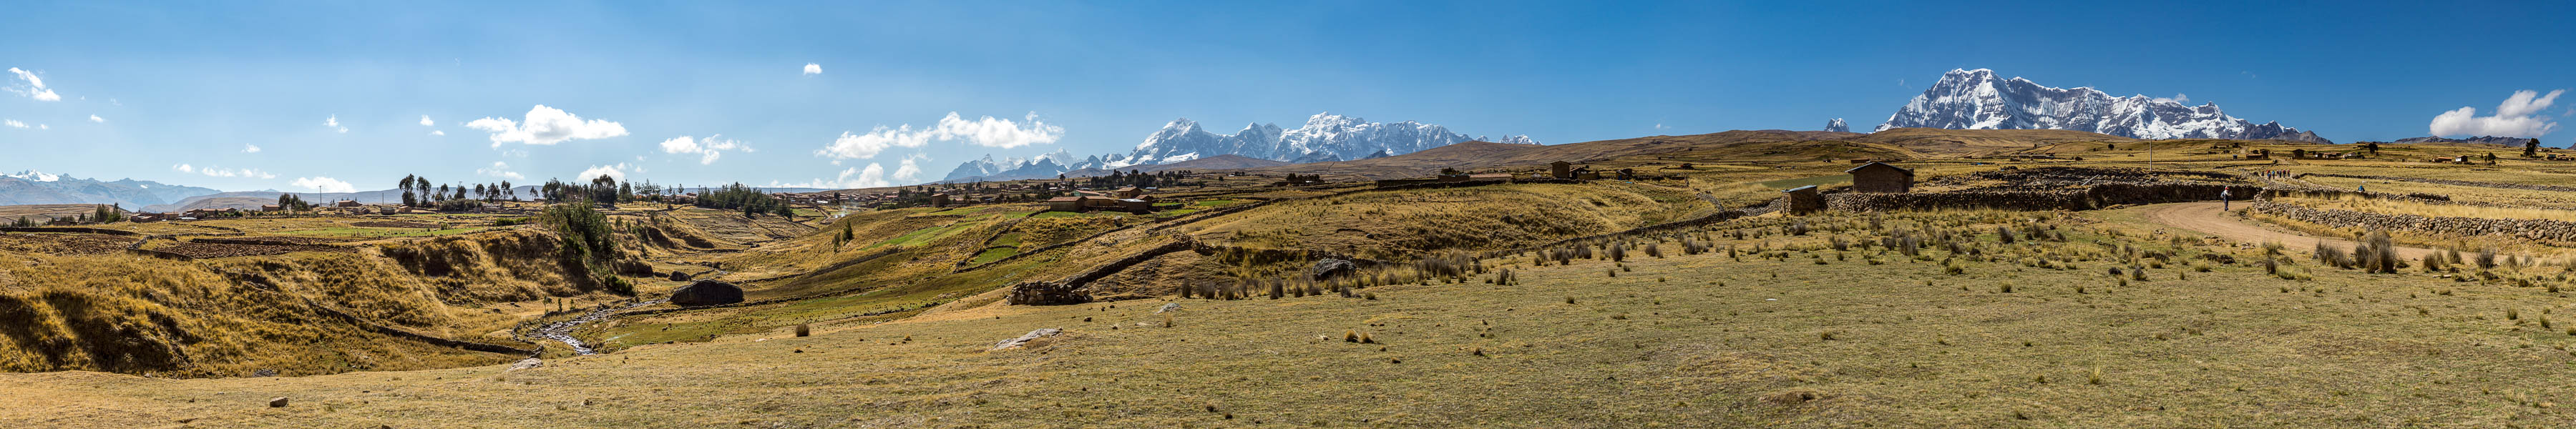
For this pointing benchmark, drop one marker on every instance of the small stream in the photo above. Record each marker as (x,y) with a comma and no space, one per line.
(562,331)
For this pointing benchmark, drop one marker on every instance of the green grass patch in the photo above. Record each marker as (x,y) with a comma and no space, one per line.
(993,254)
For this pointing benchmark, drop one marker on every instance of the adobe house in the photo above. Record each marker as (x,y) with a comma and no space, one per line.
(271,208)
(1064,204)
(1129,192)
(939,200)
(1802,200)
(1881,178)
(1560,169)
(350,203)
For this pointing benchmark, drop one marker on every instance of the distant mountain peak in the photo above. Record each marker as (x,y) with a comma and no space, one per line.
(1325,136)
(1837,125)
(1976,100)
(35,176)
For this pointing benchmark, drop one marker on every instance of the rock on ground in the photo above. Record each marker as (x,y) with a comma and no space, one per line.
(1025,339)
(1168,307)
(706,292)
(279,402)
(528,363)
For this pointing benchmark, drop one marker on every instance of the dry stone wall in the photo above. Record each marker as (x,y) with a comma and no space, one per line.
(2553,232)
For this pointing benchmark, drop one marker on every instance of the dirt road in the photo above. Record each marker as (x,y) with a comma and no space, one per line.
(2207,218)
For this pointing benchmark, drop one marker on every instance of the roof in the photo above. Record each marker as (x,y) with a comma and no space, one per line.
(1130,188)
(1876,163)
(1801,188)
(1064,199)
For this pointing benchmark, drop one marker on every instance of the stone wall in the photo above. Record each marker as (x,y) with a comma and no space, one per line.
(2449,182)
(2552,232)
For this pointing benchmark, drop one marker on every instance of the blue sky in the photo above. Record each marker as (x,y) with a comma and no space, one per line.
(198,84)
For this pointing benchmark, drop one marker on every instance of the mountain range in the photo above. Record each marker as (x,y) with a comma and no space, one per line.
(33,187)
(1325,137)
(1977,100)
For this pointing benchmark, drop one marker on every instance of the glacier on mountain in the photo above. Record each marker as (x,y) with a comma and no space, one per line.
(1977,100)
(1324,137)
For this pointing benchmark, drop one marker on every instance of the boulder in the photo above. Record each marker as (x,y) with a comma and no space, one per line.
(679,276)
(706,292)
(1168,307)
(1332,267)
(278,402)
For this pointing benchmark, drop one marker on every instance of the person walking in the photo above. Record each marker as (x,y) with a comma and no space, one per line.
(2222,199)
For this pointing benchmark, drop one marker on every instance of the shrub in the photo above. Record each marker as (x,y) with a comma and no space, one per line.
(803,330)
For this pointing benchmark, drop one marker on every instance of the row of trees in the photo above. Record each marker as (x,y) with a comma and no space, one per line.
(417,192)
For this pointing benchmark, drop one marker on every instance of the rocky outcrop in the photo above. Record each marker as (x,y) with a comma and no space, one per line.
(706,292)
(1331,267)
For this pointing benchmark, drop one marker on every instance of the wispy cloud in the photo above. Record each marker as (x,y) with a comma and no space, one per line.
(95,118)
(814,69)
(250,148)
(2517,117)
(501,170)
(544,126)
(212,171)
(13,123)
(2177,98)
(424,121)
(334,123)
(32,86)
(872,176)
(184,168)
(986,131)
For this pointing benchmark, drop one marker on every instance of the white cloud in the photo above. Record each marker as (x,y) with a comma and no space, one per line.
(184,168)
(707,149)
(44,127)
(546,125)
(2177,98)
(323,184)
(2514,118)
(986,131)
(334,122)
(502,170)
(619,171)
(437,133)
(424,121)
(13,123)
(95,118)
(908,172)
(873,176)
(34,88)
(813,69)
(212,171)
(250,148)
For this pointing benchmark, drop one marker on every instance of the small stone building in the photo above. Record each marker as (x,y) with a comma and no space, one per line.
(1129,192)
(1560,169)
(939,200)
(1802,200)
(1879,177)
(1064,204)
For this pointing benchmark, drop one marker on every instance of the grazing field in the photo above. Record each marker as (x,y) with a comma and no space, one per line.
(1787,332)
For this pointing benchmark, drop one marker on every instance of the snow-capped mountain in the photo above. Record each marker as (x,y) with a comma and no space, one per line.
(1837,125)
(1977,100)
(34,187)
(1325,137)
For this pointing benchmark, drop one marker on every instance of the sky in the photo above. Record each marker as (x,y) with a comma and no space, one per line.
(327,96)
